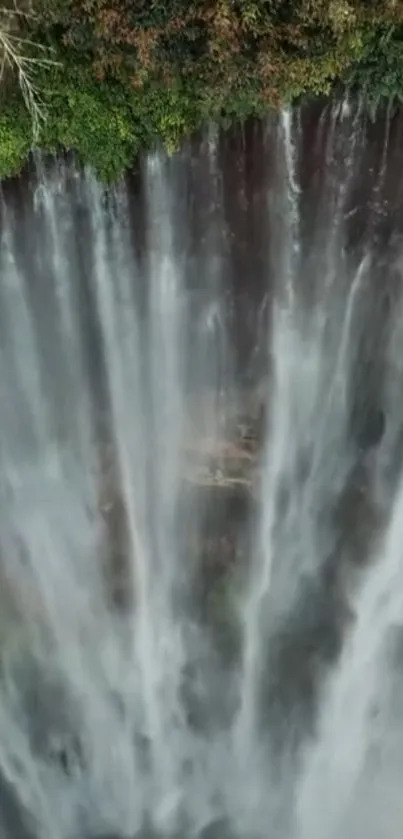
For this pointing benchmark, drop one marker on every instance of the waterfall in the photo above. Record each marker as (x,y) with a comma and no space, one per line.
(200,488)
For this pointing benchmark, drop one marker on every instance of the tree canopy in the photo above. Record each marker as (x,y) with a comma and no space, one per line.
(109,77)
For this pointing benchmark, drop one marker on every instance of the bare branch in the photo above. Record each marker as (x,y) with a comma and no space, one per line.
(16,55)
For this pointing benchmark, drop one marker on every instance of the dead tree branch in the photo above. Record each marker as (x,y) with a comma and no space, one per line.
(23,58)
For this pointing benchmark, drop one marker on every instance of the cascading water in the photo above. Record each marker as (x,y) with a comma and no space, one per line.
(157,678)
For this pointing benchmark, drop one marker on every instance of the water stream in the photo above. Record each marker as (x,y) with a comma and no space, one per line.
(201,435)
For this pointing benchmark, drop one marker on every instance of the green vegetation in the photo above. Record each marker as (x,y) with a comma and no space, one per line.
(110,77)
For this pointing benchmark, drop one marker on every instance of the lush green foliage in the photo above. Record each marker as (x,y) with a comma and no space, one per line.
(379,73)
(131,73)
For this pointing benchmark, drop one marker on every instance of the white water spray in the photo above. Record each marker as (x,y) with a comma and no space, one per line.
(124,709)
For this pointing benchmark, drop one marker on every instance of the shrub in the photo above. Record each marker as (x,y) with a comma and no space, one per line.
(112,77)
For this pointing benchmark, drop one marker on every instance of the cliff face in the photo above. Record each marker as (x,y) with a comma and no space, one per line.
(200,442)
(231,241)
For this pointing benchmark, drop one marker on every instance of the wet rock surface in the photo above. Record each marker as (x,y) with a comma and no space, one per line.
(165,309)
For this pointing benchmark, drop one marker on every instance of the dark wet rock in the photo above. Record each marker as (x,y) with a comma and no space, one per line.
(15,821)
(65,753)
(369,428)
(47,709)
(356,518)
(114,537)
(111,836)
(218,829)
